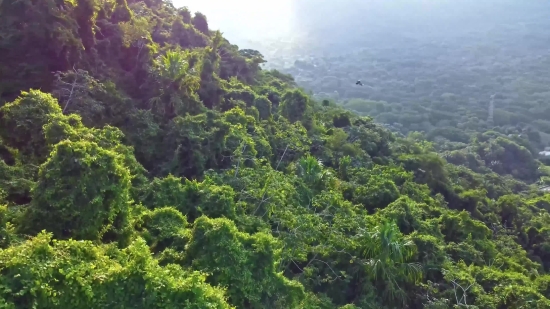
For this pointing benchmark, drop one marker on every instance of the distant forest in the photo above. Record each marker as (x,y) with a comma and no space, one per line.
(439,75)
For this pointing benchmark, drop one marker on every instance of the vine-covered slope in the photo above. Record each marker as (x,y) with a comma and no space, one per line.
(148,163)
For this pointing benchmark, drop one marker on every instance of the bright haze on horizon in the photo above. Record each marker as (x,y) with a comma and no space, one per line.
(243,20)
(346,23)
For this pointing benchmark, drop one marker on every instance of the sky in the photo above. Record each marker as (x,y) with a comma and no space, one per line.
(342,23)
(242,20)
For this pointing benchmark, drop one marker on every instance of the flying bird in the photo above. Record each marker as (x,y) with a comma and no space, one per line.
(359,83)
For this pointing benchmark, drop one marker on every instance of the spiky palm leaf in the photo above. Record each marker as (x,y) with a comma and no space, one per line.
(387,254)
(312,170)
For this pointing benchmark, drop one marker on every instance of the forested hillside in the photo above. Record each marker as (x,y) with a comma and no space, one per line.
(149,163)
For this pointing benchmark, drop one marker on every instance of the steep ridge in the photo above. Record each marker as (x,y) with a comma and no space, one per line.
(149,163)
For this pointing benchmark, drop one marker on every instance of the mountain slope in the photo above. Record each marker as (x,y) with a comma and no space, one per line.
(149,163)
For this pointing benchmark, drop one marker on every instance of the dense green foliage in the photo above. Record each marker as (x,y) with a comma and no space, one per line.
(159,166)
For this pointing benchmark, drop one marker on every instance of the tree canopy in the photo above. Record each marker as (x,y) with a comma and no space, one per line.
(146,162)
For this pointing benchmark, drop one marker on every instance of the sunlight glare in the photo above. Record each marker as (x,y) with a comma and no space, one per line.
(242,20)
